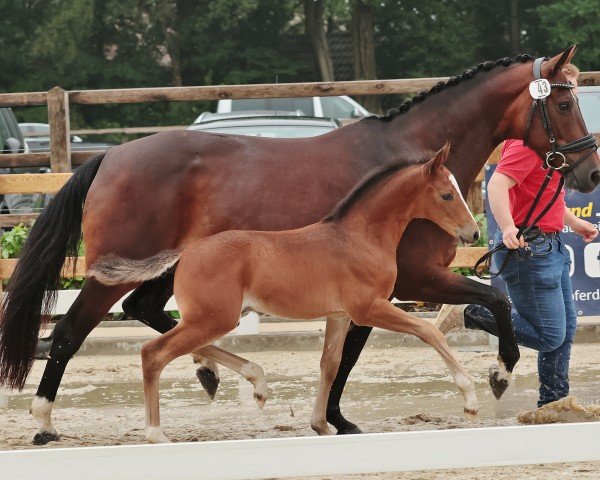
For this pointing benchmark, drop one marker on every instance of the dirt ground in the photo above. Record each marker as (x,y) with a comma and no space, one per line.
(394,389)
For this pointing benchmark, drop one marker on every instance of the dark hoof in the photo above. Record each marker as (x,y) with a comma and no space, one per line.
(208,380)
(350,430)
(44,438)
(497,384)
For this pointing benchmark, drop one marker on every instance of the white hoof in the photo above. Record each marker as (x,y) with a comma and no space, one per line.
(156,435)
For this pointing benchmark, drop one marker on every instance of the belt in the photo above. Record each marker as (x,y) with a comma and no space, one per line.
(547,234)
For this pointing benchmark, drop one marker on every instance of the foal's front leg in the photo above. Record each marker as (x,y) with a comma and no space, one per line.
(335,333)
(383,314)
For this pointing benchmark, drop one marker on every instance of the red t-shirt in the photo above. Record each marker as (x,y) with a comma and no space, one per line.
(524,166)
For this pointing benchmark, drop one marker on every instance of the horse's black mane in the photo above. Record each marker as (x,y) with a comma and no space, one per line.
(372,178)
(467,75)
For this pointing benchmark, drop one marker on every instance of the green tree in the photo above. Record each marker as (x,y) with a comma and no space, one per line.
(563,23)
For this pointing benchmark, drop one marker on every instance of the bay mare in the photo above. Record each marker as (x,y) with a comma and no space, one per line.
(164,191)
(343,266)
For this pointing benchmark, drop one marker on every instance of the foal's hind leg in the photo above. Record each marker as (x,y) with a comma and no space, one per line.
(247,369)
(91,305)
(384,315)
(335,333)
(147,304)
(158,353)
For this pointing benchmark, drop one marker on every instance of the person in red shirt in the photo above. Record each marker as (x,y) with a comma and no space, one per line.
(538,282)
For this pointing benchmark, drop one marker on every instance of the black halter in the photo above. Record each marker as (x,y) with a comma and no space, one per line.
(555,157)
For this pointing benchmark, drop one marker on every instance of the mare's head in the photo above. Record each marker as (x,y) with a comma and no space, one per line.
(441,202)
(573,151)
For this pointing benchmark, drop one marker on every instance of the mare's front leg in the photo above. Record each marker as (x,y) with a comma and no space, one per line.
(381,313)
(335,333)
(147,304)
(354,343)
(443,286)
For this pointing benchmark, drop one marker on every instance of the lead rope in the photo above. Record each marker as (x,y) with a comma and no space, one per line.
(529,233)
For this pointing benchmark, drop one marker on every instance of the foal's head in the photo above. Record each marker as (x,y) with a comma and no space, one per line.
(441,202)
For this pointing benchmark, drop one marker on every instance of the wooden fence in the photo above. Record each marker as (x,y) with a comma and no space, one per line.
(60,158)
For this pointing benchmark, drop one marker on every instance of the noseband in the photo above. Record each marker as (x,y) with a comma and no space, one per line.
(540,89)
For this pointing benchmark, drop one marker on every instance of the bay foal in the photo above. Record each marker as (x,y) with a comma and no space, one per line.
(343,266)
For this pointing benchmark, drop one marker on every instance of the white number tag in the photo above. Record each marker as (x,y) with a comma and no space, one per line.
(539,88)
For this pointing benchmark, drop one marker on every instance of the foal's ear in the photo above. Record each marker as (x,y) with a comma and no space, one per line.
(556,63)
(439,158)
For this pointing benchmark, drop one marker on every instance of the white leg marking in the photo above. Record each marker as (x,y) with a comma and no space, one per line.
(466,385)
(156,435)
(503,374)
(41,410)
(256,376)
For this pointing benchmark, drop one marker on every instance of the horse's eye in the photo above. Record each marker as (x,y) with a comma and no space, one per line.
(448,196)
(563,107)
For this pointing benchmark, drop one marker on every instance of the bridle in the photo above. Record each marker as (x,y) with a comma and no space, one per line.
(555,160)
(540,89)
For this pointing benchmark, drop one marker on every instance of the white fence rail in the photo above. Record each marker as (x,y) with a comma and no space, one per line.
(292,457)
(249,324)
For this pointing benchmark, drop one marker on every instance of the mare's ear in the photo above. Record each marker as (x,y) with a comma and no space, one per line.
(556,63)
(438,159)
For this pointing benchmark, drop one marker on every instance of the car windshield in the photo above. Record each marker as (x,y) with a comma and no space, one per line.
(302,105)
(589,102)
(35,130)
(273,131)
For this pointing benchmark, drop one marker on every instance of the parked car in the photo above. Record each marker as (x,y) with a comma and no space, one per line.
(341,108)
(37,136)
(206,116)
(11,138)
(12,141)
(267,126)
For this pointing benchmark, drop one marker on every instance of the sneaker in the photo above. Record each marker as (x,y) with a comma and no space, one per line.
(450,317)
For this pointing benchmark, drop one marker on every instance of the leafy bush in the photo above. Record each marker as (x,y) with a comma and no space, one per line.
(482,242)
(12,242)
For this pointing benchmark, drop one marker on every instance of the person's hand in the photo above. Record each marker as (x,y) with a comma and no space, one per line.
(509,238)
(586,229)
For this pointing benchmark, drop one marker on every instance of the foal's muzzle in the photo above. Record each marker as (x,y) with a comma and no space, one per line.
(468,235)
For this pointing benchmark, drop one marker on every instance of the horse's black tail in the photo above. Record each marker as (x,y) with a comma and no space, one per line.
(31,290)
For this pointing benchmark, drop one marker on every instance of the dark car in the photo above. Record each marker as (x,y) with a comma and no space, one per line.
(37,136)
(12,141)
(267,126)
(11,138)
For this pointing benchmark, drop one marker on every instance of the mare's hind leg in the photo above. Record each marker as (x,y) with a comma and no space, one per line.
(335,333)
(384,315)
(91,305)
(147,303)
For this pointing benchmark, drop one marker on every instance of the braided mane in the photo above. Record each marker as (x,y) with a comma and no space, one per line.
(452,81)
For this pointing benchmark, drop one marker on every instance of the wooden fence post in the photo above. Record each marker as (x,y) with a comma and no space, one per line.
(60,142)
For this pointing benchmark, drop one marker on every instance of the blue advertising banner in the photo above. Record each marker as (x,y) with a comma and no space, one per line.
(585,257)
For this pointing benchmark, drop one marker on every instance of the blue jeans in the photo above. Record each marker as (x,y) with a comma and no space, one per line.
(543,313)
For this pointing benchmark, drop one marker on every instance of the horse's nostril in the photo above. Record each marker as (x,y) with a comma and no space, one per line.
(596,177)
(476,236)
